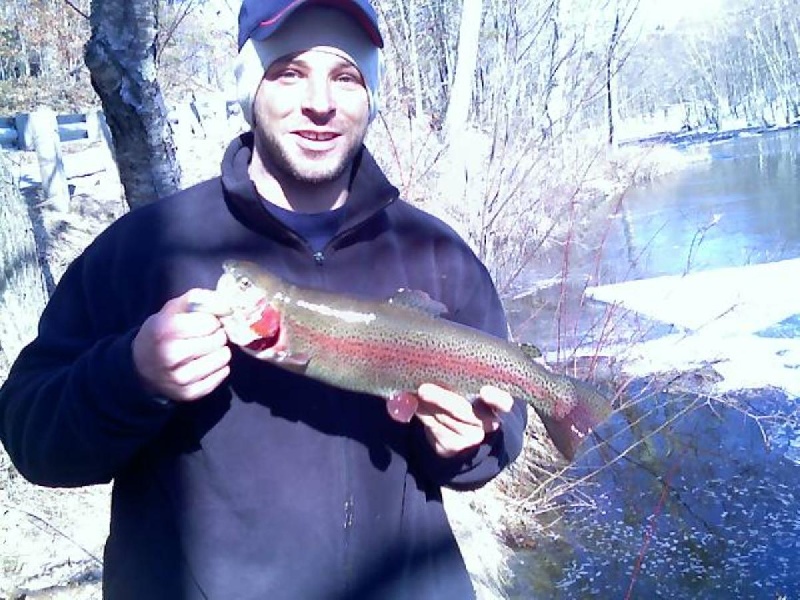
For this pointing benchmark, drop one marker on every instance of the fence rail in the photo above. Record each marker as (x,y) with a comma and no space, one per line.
(15,132)
(44,132)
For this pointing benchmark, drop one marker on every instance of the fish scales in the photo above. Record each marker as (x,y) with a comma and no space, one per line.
(386,348)
(387,354)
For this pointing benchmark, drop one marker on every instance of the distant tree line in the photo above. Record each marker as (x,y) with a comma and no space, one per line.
(541,62)
(42,50)
(744,65)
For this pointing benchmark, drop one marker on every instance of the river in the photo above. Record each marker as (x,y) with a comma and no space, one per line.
(705,504)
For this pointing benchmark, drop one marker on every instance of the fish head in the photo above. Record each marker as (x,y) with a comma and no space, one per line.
(254,298)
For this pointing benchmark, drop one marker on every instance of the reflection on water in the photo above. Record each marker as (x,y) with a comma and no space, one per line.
(699,508)
(740,208)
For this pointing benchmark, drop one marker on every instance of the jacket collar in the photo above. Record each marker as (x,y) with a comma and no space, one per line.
(370,191)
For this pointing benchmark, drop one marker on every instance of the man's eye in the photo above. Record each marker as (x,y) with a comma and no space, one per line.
(349,78)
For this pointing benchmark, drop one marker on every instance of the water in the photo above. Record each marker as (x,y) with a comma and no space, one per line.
(740,208)
(703,508)
(706,504)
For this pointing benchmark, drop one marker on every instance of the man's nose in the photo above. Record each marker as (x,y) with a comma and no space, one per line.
(319,96)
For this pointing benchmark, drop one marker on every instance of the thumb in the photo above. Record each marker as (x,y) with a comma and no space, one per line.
(207,301)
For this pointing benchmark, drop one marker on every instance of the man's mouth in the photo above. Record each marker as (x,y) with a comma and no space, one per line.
(317,136)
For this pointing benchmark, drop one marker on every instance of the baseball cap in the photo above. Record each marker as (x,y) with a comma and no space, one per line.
(258,19)
(314,25)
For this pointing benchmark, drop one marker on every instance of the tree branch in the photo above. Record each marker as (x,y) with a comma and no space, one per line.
(76,9)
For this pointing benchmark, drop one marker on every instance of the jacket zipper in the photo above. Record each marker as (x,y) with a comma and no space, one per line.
(348,500)
(349,509)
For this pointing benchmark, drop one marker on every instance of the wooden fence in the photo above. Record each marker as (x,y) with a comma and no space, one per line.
(16,132)
(43,132)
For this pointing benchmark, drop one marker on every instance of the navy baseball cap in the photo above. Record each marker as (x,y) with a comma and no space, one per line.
(258,19)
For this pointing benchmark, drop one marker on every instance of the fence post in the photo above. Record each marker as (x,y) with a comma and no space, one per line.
(24,137)
(98,131)
(44,129)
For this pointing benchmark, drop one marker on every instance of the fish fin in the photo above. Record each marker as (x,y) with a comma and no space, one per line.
(296,362)
(419,301)
(589,410)
(402,406)
(566,437)
(531,351)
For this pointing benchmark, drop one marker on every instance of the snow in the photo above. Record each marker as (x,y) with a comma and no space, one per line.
(733,318)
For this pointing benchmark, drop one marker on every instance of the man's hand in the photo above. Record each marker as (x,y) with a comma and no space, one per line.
(453,424)
(181,351)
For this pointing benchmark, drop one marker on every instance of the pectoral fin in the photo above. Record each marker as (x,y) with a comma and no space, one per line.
(402,406)
(293,362)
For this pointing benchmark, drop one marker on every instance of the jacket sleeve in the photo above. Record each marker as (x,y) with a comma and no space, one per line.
(72,411)
(476,467)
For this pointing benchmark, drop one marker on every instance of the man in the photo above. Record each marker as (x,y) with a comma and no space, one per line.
(234,478)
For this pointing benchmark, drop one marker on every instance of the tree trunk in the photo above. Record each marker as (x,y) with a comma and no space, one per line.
(121,59)
(408,18)
(456,180)
(467,58)
(22,289)
(612,48)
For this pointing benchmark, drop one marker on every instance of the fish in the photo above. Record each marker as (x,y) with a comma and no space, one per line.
(389,348)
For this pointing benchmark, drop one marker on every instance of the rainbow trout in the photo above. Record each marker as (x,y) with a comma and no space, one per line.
(390,348)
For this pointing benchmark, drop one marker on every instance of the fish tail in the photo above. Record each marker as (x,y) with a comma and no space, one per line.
(589,409)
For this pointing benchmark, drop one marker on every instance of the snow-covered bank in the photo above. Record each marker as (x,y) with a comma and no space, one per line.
(745,321)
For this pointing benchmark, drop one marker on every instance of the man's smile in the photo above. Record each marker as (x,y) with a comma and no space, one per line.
(318,136)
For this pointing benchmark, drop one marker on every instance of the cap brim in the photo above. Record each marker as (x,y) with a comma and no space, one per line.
(267,28)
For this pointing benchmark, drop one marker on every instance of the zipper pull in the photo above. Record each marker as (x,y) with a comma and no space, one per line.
(319,258)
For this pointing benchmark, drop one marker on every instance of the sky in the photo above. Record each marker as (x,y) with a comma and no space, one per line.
(668,13)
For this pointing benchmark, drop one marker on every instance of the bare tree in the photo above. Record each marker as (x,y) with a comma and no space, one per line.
(121,57)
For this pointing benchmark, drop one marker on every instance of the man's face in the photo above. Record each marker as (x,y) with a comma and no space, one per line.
(311,114)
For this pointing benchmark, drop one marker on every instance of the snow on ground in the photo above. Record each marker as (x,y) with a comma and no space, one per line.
(745,321)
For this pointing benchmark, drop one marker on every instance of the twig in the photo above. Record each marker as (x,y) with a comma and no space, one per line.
(39,521)
(76,9)
(651,529)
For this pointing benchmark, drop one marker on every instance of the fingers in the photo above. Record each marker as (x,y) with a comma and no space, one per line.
(453,424)
(447,404)
(207,301)
(499,400)
(180,354)
(200,377)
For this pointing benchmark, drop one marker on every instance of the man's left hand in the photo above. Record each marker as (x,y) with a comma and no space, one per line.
(453,423)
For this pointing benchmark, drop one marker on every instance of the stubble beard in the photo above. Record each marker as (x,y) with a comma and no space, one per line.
(278,158)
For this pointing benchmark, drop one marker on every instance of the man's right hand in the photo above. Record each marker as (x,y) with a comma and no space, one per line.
(181,352)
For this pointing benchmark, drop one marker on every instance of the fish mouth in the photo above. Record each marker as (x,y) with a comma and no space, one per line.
(263,344)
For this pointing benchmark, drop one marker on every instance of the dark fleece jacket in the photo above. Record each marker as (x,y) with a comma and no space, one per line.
(273,486)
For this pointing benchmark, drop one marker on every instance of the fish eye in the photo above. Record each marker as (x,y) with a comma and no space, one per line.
(245,283)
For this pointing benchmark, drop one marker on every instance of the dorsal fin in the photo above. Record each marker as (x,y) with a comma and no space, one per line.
(419,301)
(530,351)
